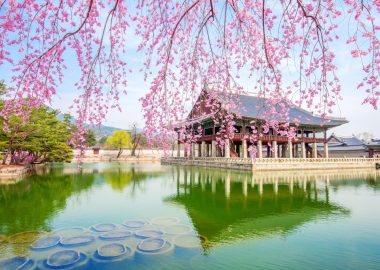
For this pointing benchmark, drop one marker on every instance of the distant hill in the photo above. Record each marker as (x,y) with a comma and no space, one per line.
(101,131)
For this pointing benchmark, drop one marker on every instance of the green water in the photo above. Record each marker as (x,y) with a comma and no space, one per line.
(242,220)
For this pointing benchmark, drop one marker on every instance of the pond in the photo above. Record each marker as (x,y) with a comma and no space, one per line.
(149,216)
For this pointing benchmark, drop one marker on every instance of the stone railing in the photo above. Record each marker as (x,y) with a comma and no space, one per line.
(275,163)
(279,160)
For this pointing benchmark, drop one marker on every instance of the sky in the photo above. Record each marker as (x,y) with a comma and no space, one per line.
(362,118)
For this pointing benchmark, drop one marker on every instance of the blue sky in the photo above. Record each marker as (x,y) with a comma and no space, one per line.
(363,118)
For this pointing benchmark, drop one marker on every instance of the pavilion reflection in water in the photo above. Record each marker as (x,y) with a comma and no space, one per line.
(226,206)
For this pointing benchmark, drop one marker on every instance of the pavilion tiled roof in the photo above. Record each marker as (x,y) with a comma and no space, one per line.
(255,107)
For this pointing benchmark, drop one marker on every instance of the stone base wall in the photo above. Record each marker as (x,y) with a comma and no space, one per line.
(10,174)
(270,164)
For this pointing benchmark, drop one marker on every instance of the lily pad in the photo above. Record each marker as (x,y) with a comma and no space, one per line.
(63,258)
(149,233)
(111,251)
(46,242)
(77,240)
(105,227)
(151,245)
(134,224)
(116,235)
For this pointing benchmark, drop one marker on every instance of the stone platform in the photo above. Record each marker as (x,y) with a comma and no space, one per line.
(273,164)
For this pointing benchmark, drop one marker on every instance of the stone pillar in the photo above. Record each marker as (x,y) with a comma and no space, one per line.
(213,148)
(283,148)
(303,150)
(203,149)
(193,150)
(260,149)
(315,150)
(274,149)
(290,149)
(178,149)
(244,149)
(326,149)
(227,148)
(185,150)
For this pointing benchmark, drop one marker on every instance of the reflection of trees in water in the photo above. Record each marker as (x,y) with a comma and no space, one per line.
(31,203)
(229,205)
(120,178)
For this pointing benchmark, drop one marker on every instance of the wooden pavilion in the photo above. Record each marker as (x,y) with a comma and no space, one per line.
(310,129)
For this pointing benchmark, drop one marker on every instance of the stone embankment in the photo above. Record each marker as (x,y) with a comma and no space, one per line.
(10,174)
(272,164)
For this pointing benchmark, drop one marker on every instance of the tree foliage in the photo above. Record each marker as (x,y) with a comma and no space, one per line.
(286,49)
(43,138)
(119,139)
(90,137)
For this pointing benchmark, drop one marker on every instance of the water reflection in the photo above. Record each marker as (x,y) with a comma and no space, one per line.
(33,202)
(229,205)
(221,205)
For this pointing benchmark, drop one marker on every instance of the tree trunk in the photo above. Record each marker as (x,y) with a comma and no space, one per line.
(120,152)
(135,144)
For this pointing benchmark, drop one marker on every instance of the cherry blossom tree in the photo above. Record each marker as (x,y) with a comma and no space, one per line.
(285,48)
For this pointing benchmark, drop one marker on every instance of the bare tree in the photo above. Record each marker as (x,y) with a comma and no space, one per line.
(136,137)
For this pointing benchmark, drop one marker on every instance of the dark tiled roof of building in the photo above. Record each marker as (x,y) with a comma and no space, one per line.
(346,142)
(375,142)
(255,107)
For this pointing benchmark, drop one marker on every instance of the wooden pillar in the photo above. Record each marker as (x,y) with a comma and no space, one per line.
(274,146)
(260,149)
